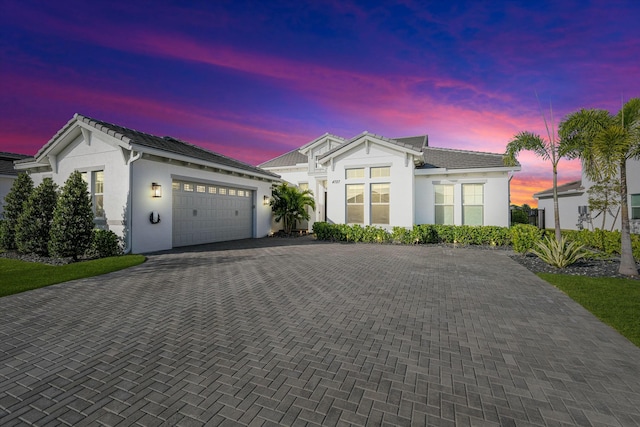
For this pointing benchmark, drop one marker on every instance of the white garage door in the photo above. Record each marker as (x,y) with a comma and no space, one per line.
(205,213)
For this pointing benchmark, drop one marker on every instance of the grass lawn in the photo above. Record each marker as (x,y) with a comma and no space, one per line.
(19,276)
(614,301)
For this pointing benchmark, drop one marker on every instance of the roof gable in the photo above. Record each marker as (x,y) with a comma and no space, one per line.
(133,139)
(327,137)
(407,145)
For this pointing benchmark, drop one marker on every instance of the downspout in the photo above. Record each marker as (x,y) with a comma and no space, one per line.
(132,159)
(510,174)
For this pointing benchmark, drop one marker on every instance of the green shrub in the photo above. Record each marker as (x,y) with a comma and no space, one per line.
(558,254)
(34,224)
(14,204)
(104,243)
(402,235)
(524,237)
(424,233)
(72,219)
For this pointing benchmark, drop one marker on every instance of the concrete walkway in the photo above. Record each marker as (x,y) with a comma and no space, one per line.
(296,332)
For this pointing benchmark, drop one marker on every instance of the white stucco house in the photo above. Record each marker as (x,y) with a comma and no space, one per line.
(8,174)
(157,192)
(373,180)
(573,195)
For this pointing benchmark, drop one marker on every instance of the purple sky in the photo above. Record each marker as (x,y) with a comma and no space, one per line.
(253,80)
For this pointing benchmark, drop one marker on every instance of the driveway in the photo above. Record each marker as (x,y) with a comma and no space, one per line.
(297,332)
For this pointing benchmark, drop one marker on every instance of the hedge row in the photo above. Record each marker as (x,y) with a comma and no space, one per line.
(521,237)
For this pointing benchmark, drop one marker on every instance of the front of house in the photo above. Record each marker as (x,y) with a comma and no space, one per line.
(157,192)
(373,180)
(573,198)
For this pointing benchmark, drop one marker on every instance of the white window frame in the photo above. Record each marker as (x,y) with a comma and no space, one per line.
(472,201)
(380,201)
(356,204)
(444,203)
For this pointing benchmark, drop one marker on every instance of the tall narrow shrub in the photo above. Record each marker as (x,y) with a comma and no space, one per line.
(14,205)
(72,219)
(34,224)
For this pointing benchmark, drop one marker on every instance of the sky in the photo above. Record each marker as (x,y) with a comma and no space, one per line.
(255,79)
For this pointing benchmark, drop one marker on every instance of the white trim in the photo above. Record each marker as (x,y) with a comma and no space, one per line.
(445,171)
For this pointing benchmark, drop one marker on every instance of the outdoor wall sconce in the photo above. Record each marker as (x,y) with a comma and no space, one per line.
(265,200)
(156,190)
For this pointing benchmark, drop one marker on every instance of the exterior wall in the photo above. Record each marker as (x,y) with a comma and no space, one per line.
(496,196)
(149,237)
(6,182)
(401,204)
(568,206)
(100,155)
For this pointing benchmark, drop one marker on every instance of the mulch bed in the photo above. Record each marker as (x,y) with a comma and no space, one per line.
(583,267)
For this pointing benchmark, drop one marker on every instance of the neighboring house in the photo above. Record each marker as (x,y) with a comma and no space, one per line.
(157,192)
(7,174)
(574,194)
(373,180)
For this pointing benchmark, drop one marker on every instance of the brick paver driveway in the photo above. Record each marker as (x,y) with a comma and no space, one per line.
(295,332)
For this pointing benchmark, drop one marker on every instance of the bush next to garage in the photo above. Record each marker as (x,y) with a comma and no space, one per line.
(104,243)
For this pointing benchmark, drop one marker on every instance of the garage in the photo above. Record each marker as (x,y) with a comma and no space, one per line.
(206,213)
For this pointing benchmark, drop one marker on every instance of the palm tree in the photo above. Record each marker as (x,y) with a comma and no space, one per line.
(289,204)
(604,142)
(551,149)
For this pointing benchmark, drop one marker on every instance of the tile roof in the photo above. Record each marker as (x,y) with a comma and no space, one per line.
(459,159)
(171,145)
(573,187)
(6,162)
(164,143)
(291,158)
(417,142)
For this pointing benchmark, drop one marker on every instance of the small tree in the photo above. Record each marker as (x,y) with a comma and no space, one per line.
(289,204)
(72,219)
(14,205)
(34,224)
(604,198)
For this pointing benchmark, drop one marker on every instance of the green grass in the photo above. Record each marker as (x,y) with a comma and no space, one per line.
(19,276)
(614,301)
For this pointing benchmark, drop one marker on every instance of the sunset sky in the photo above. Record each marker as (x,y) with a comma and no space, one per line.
(255,79)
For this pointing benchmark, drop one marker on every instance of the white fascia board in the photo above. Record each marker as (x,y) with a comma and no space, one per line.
(30,165)
(441,171)
(318,141)
(199,162)
(300,166)
(569,193)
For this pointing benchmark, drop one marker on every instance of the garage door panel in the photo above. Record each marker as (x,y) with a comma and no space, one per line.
(218,217)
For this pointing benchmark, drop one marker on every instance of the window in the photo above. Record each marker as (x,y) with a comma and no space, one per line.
(98,193)
(380,172)
(213,190)
(472,204)
(635,206)
(240,193)
(303,186)
(223,191)
(355,173)
(444,204)
(355,203)
(188,187)
(201,188)
(175,185)
(380,203)
(232,192)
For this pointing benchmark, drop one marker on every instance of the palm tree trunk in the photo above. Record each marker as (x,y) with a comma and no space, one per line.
(627,263)
(556,209)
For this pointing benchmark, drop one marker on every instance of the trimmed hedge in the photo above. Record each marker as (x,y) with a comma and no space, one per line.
(522,237)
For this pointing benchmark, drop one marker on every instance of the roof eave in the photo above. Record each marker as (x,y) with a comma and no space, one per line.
(193,160)
(439,171)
